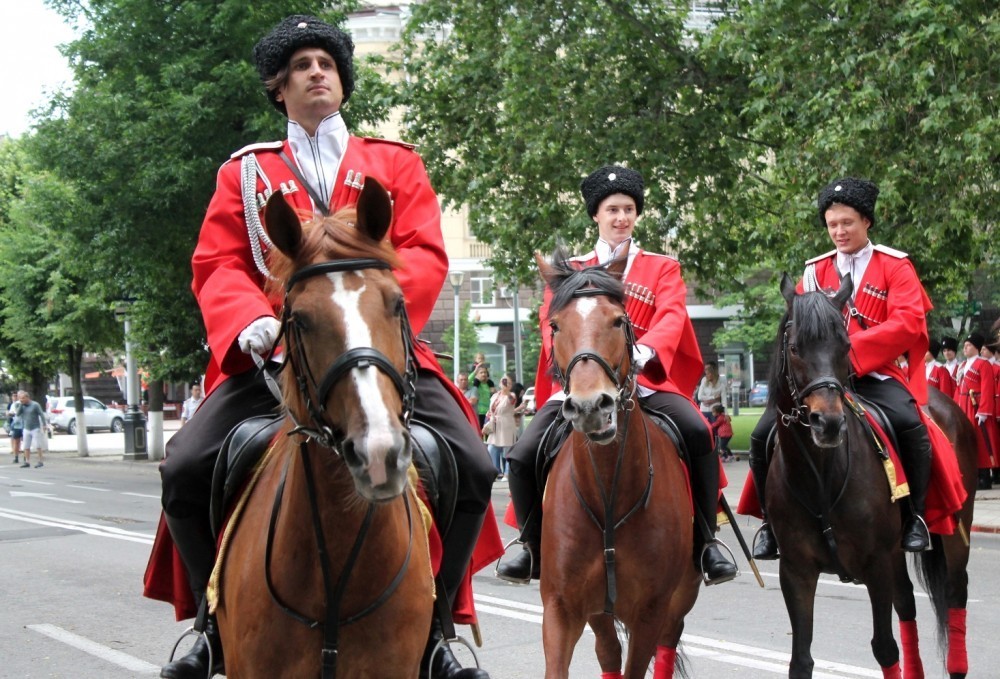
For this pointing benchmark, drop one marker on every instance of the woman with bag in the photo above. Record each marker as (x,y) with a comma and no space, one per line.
(501,428)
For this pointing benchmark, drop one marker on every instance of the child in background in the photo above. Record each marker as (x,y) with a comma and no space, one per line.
(722,427)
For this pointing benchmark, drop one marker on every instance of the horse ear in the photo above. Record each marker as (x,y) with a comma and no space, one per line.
(544,268)
(374,210)
(787,287)
(846,288)
(617,267)
(282,224)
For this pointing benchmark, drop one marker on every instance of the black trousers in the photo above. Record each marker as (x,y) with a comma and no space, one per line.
(524,490)
(186,471)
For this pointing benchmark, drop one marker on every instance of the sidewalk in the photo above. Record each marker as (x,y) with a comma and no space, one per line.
(101,446)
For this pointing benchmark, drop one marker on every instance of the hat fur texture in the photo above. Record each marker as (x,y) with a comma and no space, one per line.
(949,343)
(609,180)
(976,340)
(292,33)
(859,194)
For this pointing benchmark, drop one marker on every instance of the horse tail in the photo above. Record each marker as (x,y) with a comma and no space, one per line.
(932,573)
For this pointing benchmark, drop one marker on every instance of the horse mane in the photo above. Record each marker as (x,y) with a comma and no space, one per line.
(567,279)
(324,239)
(816,320)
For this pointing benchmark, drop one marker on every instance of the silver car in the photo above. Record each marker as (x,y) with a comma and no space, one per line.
(61,413)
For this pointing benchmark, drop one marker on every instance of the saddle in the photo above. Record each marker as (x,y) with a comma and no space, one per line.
(560,429)
(247,442)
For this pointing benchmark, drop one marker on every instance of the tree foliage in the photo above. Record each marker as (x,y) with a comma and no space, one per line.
(735,129)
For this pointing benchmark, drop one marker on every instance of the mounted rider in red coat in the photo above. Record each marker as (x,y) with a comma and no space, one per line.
(307,69)
(886,318)
(668,358)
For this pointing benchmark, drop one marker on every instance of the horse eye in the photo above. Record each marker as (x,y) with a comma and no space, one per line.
(399,306)
(300,320)
(794,350)
(619,321)
(553,326)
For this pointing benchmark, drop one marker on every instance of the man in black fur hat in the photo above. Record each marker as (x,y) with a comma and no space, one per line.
(884,279)
(306,66)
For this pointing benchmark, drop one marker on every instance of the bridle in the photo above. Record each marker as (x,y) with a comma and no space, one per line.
(315,393)
(321,431)
(799,413)
(624,402)
(626,387)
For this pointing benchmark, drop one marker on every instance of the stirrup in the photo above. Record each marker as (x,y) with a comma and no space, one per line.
(930,542)
(192,632)
(701,561)
(447,642)
(531,562)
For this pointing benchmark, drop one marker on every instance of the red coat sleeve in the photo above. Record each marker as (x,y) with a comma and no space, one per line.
(226,283)
(545,386)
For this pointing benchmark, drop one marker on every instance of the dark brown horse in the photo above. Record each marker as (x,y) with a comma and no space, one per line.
(617,526)
(326,566)
(828,496)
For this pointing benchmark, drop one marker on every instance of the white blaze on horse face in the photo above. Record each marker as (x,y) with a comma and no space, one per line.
(379,438)
(585,306)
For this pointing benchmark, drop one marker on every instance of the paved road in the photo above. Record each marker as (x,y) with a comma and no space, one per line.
(75,536)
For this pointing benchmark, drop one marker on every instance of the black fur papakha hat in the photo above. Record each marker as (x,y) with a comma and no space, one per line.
(292,33)
(949,343)
(934,347)
(608,180)
(860,194)
(976,340)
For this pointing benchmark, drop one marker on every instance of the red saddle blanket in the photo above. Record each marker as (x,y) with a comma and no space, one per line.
(945,492)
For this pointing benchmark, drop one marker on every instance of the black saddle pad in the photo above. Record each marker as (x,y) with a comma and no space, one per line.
(438,472)
(244,446)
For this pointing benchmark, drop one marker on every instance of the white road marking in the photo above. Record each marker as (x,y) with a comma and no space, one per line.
(155,497)
(88,528)
(99,490)
(695,646)
(46,496)
(95,649)
(37,483)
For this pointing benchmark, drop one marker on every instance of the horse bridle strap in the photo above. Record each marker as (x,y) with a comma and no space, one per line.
(336,266)
(334,591)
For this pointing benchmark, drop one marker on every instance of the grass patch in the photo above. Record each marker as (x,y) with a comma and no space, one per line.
(743,425)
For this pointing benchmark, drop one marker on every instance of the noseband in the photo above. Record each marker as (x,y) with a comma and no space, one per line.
(625,387)
(800,411)
(320,429)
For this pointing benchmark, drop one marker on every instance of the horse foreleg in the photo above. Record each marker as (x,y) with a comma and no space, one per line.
(884,646)
(560,632)
(957,557)
(799,592)
(607,646)
(906,611)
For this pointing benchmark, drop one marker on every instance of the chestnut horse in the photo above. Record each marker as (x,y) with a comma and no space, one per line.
(617,527)
(828,496)
(326,569)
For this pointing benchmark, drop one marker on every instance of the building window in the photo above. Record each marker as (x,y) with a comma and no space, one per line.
(483,290)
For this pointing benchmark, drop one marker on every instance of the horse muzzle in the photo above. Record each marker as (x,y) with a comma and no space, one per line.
(827,428)
(595,416)
(379,464)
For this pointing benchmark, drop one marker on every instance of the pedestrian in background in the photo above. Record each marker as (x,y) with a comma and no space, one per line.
(33,418)
(722,427)
(16,425)
(503,432)
(191,404)
(711,391)
(485,388)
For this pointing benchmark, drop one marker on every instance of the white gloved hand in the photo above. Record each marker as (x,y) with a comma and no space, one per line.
(259,336)
(641,355)
(980,418)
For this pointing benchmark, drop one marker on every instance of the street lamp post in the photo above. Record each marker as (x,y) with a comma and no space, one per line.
(456,278)
(513,293)
(135,422)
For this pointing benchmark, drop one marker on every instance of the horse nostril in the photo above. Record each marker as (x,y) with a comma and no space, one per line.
(569,407)
(350,453)
(606,402)
(815,420)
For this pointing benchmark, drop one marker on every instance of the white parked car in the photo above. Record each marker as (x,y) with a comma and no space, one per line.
(528,401)
(61,413)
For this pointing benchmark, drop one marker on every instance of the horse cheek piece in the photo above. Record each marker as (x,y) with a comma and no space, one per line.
(326,571)
(828,500)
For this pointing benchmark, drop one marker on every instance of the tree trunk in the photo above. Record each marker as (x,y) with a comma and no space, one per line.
(74,363)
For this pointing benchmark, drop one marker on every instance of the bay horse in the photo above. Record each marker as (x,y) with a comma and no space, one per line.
(828,499)
(617,521)
(326,569)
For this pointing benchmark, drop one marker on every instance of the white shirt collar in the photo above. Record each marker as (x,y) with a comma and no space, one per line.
(605,253)
(855,264)
(319,156)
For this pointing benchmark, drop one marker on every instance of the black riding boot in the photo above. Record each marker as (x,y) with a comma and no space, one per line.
(985,480)
(765,547)
(193,539)
(526,566)
(705,488)
(916,447)
(457,553)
